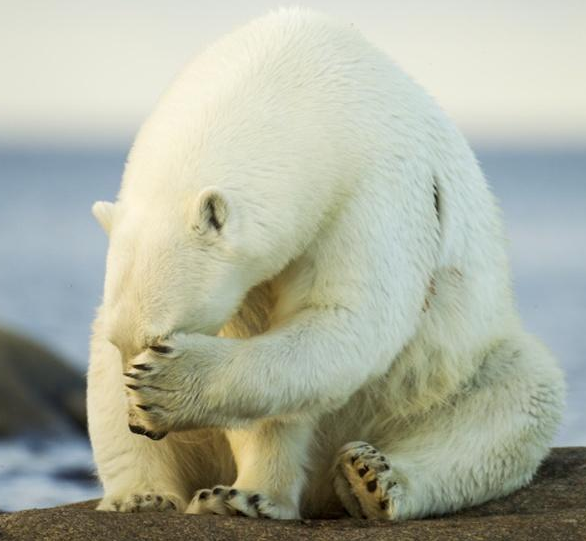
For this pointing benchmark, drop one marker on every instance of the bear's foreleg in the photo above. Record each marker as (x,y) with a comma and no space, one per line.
(310,366)
(270,457)
(137,474)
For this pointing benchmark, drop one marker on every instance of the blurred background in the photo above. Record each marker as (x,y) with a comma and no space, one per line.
(78,78)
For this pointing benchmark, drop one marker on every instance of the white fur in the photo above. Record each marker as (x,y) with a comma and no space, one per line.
(104,212)
(276,231)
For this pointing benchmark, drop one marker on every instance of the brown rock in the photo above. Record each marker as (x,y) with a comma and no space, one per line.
(552,508)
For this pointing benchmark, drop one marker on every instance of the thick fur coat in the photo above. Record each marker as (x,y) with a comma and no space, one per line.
(307,302)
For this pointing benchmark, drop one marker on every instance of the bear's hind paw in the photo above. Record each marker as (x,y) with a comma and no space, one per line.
(365,482)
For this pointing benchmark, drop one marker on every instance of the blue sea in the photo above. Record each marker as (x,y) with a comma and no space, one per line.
(52,264)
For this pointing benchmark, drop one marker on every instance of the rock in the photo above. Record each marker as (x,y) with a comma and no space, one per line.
(552,508)
(39,392)
(75,474)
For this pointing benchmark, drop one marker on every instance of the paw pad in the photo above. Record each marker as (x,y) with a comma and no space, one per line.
(363,481)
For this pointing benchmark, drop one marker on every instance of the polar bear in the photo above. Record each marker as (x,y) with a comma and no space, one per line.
(307,304)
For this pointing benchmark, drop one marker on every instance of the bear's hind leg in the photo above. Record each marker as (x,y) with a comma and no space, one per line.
(484,444)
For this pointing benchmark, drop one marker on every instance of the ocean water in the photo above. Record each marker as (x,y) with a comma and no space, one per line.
(52,264)
(45,473)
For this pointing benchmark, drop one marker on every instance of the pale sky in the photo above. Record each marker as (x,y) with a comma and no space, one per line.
(80,73)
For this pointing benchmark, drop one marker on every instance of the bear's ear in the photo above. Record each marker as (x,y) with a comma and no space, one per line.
(213,210)
(103,211)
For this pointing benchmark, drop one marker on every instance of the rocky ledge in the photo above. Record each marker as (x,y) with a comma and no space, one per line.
(552,508)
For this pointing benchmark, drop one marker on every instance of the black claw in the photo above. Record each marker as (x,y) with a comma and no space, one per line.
(130,375)
(141,366)
(135,429)
(159,348)
(363,471)
(254,499)
(131,386)
(354,459)
(144,408)
(371,485)
(216,491)
(203,495)
(155,435)
(386,467)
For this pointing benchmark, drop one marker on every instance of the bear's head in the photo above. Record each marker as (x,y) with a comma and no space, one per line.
(172,267)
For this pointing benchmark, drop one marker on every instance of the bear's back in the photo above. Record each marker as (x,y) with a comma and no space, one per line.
(293,77)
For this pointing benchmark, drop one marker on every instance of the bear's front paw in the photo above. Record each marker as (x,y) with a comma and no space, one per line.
(142,501)
(222,500)
(156,383)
